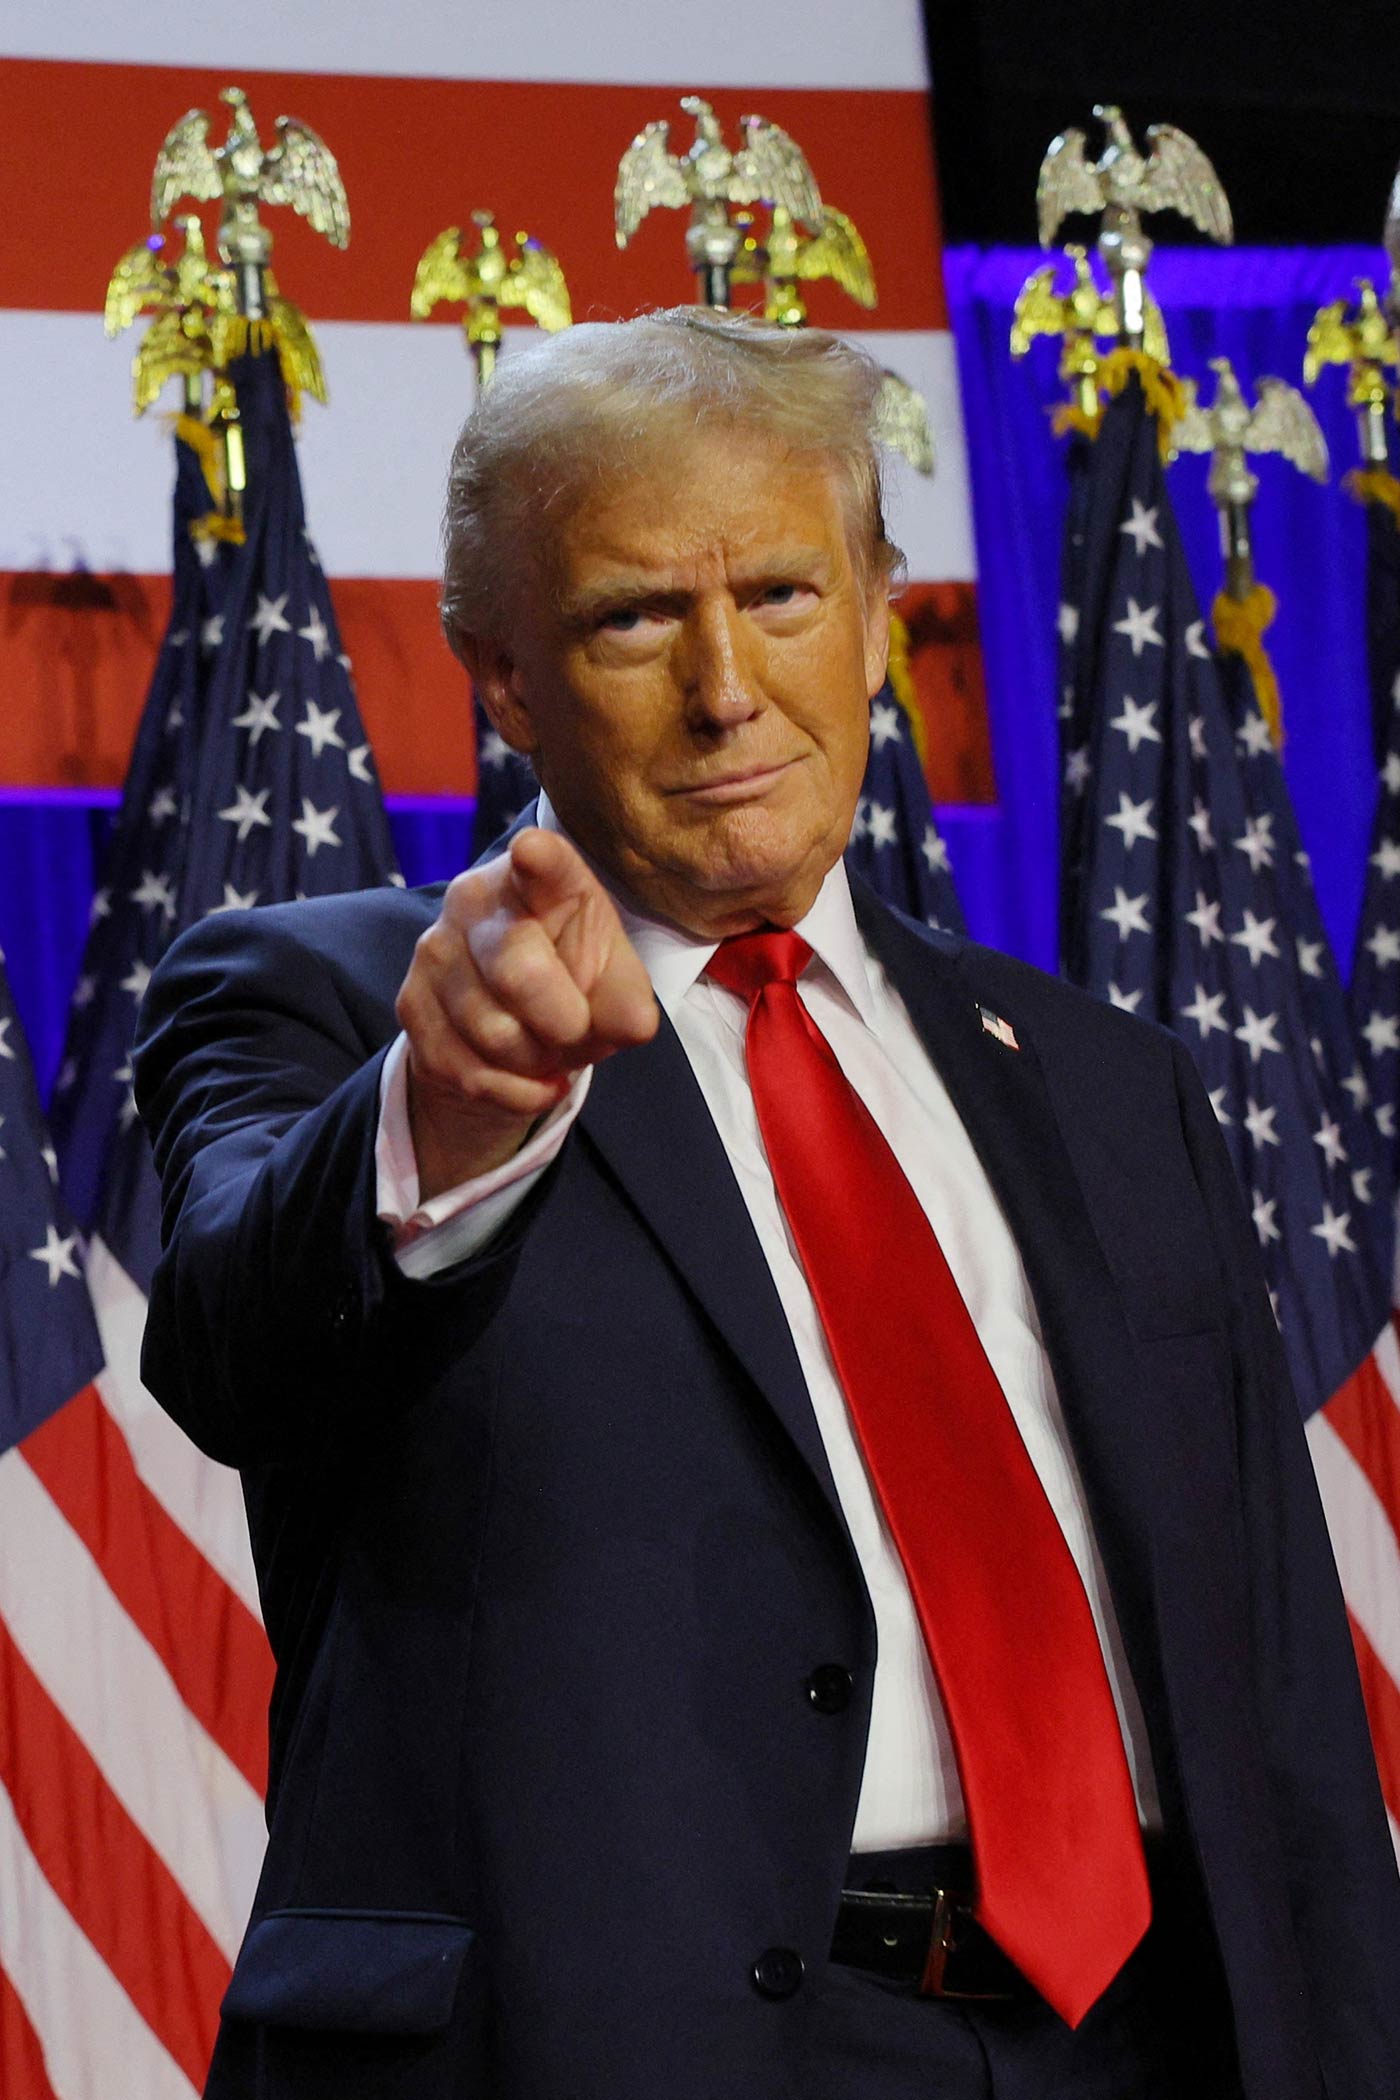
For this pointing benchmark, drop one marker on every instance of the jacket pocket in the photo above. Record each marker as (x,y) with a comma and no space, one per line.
(350,1971)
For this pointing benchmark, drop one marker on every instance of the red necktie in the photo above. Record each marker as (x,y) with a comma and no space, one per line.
(1061,1878)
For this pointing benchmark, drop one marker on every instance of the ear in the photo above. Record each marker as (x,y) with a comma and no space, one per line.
(877,637)
(498,686)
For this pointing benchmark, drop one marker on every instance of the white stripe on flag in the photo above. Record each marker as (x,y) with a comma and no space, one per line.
(203,1498)
(727,43)
(96,2045)
(190,1803)
(1367,1553)
(373,463)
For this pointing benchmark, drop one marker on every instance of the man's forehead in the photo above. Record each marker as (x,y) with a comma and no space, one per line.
(692,507)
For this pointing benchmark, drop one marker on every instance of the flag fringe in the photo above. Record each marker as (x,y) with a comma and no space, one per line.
(1374,485)
(1167,399)
(1240,625)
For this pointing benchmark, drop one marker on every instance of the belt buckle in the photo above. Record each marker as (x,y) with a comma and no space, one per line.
(942,1949)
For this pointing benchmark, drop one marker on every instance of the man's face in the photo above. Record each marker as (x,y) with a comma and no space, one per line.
(691,677)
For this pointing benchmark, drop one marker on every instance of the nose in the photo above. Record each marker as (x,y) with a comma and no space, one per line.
(715,680)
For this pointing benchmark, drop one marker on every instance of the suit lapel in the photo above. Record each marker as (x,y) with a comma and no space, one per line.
(647,1116)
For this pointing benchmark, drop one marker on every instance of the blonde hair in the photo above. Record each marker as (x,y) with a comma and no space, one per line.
(593,400)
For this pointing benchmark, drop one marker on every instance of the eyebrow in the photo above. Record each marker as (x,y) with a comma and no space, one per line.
(635,587)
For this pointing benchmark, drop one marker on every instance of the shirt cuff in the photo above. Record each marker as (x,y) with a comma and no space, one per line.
(452,1227)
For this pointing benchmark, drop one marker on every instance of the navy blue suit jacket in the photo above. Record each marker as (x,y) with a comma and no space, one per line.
(548,1545)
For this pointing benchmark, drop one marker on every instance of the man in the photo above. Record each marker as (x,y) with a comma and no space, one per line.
(791,1556)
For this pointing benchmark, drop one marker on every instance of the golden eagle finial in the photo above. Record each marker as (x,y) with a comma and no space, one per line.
(1174,176)
(486,281)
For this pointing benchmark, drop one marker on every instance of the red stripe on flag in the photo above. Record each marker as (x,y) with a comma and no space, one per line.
(122,1897)
(1365,1416)
(21,2054)
(213,1647)
(1382,1698)
(419,155)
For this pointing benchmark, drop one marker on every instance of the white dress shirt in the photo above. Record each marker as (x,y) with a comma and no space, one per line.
(910,1792)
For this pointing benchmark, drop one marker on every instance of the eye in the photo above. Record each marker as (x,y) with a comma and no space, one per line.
(624,620)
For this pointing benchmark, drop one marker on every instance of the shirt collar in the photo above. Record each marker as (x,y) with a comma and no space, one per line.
(675,960)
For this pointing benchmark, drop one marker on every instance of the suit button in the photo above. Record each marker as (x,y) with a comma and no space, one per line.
(829,1688)
(778,1973)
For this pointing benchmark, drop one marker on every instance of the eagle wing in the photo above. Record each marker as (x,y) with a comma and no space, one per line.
(771,166)
(1192,432)
(166,350)
(536,282)
(302,171)
(1178,177)
(138,281)
(1283,422)
(838,252)
(1039,310)
(1066,183)
(1329,341)
(441,274)
(648,175)
(302,372)
(184,167)
(901,422)
(1154,332)
(1391,236)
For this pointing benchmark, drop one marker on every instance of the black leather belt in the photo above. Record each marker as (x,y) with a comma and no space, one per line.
(927,1937)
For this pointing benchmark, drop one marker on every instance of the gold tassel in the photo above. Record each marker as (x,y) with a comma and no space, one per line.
(1374,485)
(1166,397)
(205,446)
(1240,626)
(215,526)
(1070,416)
(902,685)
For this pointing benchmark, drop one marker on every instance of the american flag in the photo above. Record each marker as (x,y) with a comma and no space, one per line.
(1194,908)
(251,782)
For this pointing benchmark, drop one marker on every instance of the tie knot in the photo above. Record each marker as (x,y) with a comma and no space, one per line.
(749,961)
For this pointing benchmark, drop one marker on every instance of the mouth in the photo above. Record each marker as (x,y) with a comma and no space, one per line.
(747,784)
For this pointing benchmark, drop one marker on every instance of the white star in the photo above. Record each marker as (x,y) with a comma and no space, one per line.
(1257,845)
(358,762)
(1335,1230)
(859,827)
(494,749)
(268,619)
(178,637)
(1077,769)
(56,1254)
(316,826)
(68,1072)
(101,906)
(1141,527)
(1259,1122)
(1310,957)
(153,890)
(1134,820)
(1199,821)
(84,991)
(1128,1002)
(1257,1034)
(174,718)
(1217,1102)
(1136,723)
(884,725)
(162,805)
(138,979)
(1328,1138)
(1358,1088)
(1128,914)
(258,715)
(1139,624)
(1390,773)
(50,1159)
(6,1049)
(1382,1032)
(1204,1010)
(396,880)
(1196,732)
(1068,623)
(1263,1215)
(317,633)
(206,552)
(317,725)
(934,851)
(1206,920)
(211,632)
(882,825)
(1386,859)
(1257,937)
(1195,639)
(1361,1184)
(1385,1119)
(234,900)
(246,810)
(310,546)
(1253,736)
(1384,944)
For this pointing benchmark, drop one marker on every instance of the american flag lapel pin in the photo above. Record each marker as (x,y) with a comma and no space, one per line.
(1002,1031)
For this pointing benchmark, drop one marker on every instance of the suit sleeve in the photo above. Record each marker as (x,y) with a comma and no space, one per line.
(1326,1799)
(280,1329)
